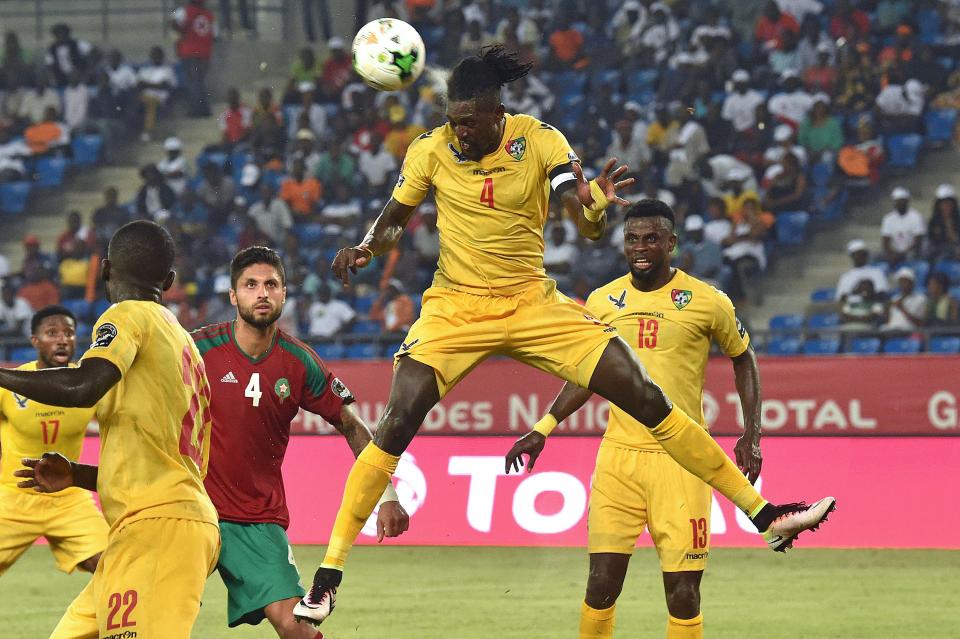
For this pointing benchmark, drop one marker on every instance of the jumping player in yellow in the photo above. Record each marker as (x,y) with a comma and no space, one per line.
(154,417)
(69,519)
(491,174)
(669,318)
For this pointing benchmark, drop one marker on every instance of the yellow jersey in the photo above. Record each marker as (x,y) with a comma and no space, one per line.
(490,213)
(155,422)
(30,429)
(670,329)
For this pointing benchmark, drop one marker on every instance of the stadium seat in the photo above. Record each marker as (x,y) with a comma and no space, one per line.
(645,79)
(951,268)
(390,349)
(364,303)
(50,171)
(211,157)
(821,173)
(790,322)
(329,350)
(13,197)
(308,234)
(940,124)
(21,354)
(99,307)
(955,292)
(902,345)
(864,346)
(86,149)
(369,350)
(609,77)
(944,344)
(821,346)
(902,150)
(366,327)
(929,23)
(921,269)
(568,83)
(782,345)
(791,227)
(819,321)
(822,295)
(81,308)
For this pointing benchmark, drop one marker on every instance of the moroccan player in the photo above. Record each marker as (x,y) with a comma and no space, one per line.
(154,417)
(70,520)
(491,174)
(670,319)
(265,376)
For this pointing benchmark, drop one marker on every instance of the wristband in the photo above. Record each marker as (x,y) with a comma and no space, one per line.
(546,425)
(389,494)
(600,203)
(364,247)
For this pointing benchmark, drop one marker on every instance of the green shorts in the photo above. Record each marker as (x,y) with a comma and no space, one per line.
(257,567)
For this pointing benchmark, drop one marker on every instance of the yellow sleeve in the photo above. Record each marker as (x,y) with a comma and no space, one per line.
(595,304)
(554,148)
(415,174)
(727,329)
(116,338)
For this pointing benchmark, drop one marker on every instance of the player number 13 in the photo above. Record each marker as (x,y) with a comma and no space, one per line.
(648,333)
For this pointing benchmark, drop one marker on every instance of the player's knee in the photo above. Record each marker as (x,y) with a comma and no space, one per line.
(603,588)
(683,600)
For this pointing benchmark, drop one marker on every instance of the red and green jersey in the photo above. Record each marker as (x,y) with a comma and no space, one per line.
(253,402)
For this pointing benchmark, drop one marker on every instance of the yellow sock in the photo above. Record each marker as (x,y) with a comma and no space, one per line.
(694,449)
(369,476)
(685,628)
(596,624)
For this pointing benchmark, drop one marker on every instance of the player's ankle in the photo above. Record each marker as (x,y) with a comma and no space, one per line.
(764,517)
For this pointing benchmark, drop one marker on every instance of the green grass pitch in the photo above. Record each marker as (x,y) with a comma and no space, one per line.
(529,593)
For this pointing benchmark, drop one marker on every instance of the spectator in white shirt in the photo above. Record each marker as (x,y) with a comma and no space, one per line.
(559,256)
(4,266)
(857,250)
(76,101)
(66,55)
(794,103)
(906,310)
(155,81)
(341,211)
(522,27)
(718,226)
(12,154)
(785,139)
(15,313)
(304,148)
(692,136)
(739,107)
(37,100)
(377,166)
(328,316)
(900,104)
(174,166)
(902,229)
(316,114)
(628,148)
(800,8)
(271,214)
(528,95)
(123,78)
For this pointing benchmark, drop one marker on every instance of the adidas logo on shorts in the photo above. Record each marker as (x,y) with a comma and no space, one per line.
(229,378)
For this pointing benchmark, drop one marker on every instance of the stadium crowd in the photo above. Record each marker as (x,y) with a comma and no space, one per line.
(753,137)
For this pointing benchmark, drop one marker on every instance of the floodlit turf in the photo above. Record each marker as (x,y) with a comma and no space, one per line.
(407,593)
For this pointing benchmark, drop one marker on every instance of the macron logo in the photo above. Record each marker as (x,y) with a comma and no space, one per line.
(229,378)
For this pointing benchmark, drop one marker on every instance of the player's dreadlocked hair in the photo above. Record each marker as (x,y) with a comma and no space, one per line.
(482,75)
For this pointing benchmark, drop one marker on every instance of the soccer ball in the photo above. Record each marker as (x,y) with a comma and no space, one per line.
(388,54)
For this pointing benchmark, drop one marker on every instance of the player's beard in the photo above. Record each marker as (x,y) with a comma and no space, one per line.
(248,316)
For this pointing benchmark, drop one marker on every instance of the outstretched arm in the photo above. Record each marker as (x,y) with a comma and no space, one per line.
(380,239)
(747,451)
(569,401)
(72,387)
(587,202)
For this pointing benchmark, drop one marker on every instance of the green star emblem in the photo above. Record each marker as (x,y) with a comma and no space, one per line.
(282,388)
(404,62)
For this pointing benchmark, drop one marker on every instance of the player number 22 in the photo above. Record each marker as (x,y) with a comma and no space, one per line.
(116,600)
(486,193)
(253,389)
(648,333)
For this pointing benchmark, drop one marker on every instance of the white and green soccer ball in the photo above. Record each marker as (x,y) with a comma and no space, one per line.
(388,54)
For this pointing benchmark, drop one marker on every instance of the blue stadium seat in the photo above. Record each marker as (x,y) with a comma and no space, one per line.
(902,345)
(929,23)
(21,354)
(211,157)
(790,322)
(781,345)
(13,197)
(309,234)
(50,171)
(610,77)
(864,346)
(364,303)
(821,346)
(940,124)
(368,350)
(823,295)
(642,79)
(100,307)
(81,308)
(819,321)
(944,344)
(391,349)
(902,150)
(567,83)
(791,227)
(951,268)
(955,292)
(84,330)
(366,327)
(921,269)
(273,178)
(329,350)
(946,62)
(86,148)
(821,173)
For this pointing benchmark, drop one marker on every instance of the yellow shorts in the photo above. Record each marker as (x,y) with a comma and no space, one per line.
(70,521)
(539,326)
(636,488)
(148,583)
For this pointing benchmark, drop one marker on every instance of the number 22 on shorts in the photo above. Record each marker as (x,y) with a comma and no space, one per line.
(127,601)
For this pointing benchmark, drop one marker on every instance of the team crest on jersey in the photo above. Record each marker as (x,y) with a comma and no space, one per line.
(516,148)
(681,298)
(21,401)
(105,335)
(619,302)
(458,155)
(282,388)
